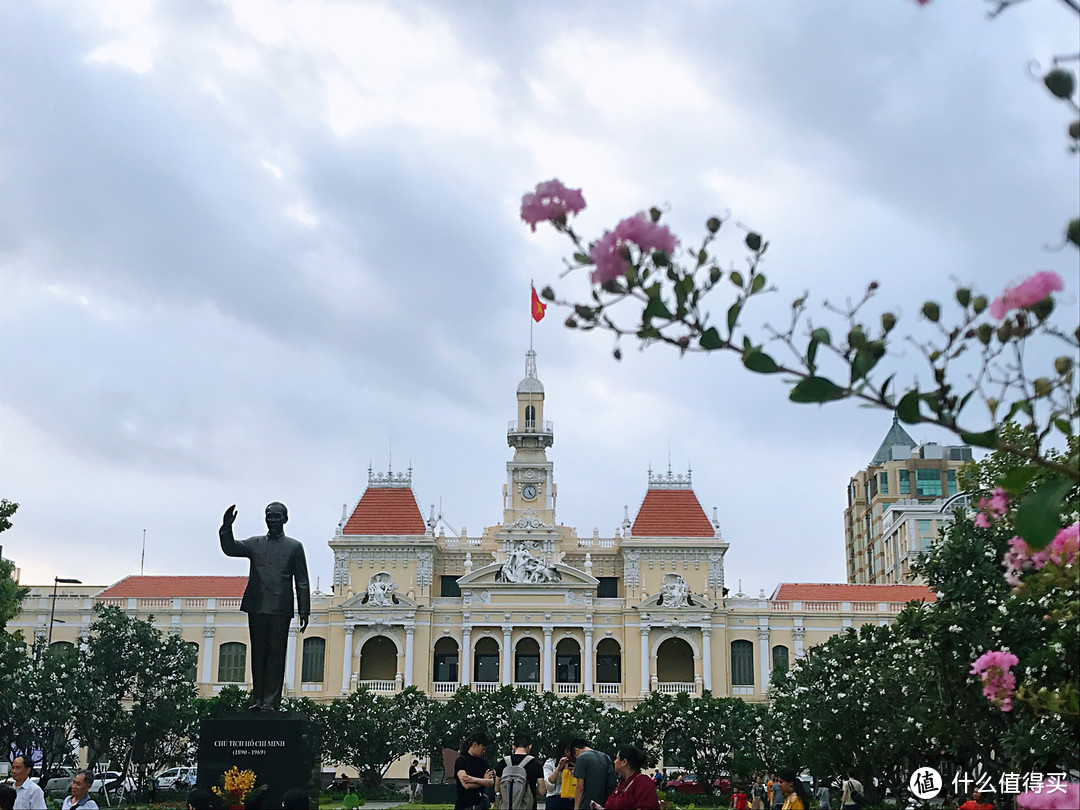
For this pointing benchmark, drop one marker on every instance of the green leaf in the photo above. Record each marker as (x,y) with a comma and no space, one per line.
(862,364)
(733,316)
(821,336)
(757,283)
(710,339)
(816,389)
(656,308)
(1039,517)
(811,354)
(885,386)
(736,278)
(582,258)
(1016,481)
(756,360)
(1064,425)
(986,439)
(907,409)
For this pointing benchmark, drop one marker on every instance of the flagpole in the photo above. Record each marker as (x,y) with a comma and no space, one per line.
(532,287)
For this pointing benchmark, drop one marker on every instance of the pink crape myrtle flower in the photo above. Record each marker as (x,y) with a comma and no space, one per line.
(550,201)
(993,507)
(1062,550)
(1068,799)
(1026,293)
(639,230)
(999,685)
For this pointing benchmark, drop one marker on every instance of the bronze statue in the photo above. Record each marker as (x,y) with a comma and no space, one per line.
(276,560)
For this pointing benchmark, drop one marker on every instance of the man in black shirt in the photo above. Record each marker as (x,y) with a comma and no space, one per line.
(472,774)
(534,770)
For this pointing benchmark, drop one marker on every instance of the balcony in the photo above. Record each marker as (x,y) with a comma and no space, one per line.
(533,686)
(568,688)
(445,687)
(486,686)
(382,687)
(607,688)
(529,427)
(676,688)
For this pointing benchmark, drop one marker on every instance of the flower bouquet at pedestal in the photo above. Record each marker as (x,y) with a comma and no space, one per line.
(238,787)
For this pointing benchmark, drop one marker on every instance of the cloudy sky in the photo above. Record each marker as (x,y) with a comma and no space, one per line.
(249,247)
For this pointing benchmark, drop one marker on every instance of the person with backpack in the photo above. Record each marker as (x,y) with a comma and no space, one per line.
(852,798)
(519,778)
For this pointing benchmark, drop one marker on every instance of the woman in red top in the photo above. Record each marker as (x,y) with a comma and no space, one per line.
(635,790)
(738,800)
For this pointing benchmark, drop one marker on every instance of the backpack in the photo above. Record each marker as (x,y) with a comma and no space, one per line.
(514,790)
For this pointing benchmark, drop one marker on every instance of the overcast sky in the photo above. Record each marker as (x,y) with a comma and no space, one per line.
(247,247)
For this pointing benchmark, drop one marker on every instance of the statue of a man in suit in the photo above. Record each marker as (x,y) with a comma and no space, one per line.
(276,561)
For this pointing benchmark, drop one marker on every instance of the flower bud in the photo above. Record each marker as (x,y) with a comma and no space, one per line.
(1072,233)
(1063,365)
(1005,331)
(1043,387)
(978,303)
(753,241)
(931,311)
(876,348)
(714,275)
(986,333)
(654,214)
(617,354)
(855,338)
(713,224)
(570,323)
(1074,130)
(684,341)
(963,296)
(547,294)
(992,404)
(1060,83)
(873,285)
(888,321)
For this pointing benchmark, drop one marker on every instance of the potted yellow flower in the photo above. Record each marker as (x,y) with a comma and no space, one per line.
(238,787)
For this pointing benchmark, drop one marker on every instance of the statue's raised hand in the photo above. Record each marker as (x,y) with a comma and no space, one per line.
(229,517)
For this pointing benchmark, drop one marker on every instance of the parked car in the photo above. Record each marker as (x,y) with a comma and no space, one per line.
(111,780)
(686,783)
(60,781)
(178,778)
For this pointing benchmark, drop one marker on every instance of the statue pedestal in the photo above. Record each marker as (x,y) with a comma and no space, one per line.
(282,749)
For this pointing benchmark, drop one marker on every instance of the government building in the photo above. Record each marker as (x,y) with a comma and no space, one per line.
(527,602)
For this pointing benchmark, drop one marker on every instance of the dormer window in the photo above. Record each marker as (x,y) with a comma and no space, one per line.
(530,416)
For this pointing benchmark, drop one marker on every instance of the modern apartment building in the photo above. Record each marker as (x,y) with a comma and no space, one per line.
(904,478)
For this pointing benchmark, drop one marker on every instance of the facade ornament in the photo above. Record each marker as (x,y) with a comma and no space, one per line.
(389,478)
(523,567)
(670,481)
(380,591)
(208,632)
(630,568)
(425,568)
(674,592)
(530,520)
(716,570)
(468,562)
(341,568)
(763,634)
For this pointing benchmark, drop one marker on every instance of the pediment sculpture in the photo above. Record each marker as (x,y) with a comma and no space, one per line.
(523,567)
(674,592)
(380,591)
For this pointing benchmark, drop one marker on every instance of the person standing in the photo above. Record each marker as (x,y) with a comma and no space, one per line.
(472,774)
(634,791)
(422,778)
(851,798)
(519,778)
(7,797)
(793,790)
(595,775)
(776,794)
(412,780)
(80,788)
(28,794)
(559,772)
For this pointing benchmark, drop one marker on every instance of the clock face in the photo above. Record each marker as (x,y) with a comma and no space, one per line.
(528,492)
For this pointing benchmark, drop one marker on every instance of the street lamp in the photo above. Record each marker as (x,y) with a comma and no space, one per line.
(52,613)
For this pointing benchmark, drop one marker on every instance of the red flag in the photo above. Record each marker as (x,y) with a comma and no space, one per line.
(538,306)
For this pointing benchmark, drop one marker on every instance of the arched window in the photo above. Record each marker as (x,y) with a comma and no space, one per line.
(742,663)
(192,672)
(446,661)
(378,659)
(608,661)
(779,658)
(567,661)
(232,662)
(527,661)
(486,661)
(314,660)
(62,648)
(674,661)
(530,416)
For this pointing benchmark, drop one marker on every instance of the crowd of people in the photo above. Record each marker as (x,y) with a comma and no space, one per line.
(578,777)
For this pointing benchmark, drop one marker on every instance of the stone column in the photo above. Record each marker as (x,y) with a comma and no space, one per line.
(346,663)
(410,630)
(797,633)
(644,660)
(507,655)
(208,654)
(706,657)
(766,653)
(548,662)
(465,665)
(290,661)
(587,664)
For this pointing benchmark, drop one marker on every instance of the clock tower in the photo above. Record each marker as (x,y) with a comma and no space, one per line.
(529,491)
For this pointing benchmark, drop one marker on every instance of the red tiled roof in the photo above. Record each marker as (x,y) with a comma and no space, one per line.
(844,592)
(228,587)
(671,513)
(386,510)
